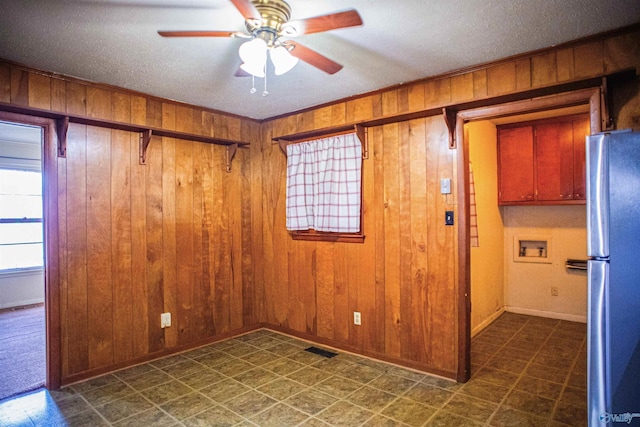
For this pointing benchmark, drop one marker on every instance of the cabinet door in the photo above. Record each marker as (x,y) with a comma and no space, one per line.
(581,128)
(554,161)
(515,157)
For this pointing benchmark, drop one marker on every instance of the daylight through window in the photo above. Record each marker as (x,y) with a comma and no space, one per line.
(20,219)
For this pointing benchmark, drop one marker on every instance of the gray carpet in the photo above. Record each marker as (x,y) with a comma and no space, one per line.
(22,350)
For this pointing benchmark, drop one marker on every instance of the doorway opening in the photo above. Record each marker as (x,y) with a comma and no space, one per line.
(590,99)
(22,296)
(48,250)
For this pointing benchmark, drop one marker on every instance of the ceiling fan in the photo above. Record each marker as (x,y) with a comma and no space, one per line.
(269,28)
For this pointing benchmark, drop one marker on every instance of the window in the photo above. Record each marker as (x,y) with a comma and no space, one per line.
(20,219)
(324,189)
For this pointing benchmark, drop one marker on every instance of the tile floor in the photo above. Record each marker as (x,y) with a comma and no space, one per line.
(526,371)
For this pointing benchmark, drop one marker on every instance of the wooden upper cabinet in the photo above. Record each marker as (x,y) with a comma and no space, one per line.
(581,129)
(543,161)
(554,161)
(515,164)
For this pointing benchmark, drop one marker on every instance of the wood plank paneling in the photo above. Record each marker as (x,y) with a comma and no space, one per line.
(154,228)
(125,229)
(5,84)
(75,330)
(543,69)
(39,91)
(121,228)
(100,304)
(501,79)
(589,59)
(394,322)
(19,87)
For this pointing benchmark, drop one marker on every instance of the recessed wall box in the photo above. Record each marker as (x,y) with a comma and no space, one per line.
(532,249)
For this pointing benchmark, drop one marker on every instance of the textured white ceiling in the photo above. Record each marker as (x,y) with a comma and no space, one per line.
(115,42)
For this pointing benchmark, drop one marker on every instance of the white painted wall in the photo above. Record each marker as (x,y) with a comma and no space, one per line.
(487,261)
(498,283)
(528,285)
(21,288)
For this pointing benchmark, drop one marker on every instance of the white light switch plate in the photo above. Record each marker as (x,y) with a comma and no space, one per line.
(445,186)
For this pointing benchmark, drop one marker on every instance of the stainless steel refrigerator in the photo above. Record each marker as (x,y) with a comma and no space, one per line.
(613,238)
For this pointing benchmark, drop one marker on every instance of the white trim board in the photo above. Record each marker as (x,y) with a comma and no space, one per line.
(549,314)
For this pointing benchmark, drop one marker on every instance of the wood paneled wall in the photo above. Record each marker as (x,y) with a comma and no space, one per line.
(175,235)
(402,278)
(181,235)
(405,279)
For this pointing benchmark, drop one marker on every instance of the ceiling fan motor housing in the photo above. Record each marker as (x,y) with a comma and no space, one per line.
(273,13)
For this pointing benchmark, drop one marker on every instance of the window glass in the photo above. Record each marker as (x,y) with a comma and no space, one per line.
(21,256)
(20,219)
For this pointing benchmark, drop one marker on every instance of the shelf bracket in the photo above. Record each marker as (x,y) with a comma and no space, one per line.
(361,133)
(450,118)
(145,140)
(62,126)
(231,153)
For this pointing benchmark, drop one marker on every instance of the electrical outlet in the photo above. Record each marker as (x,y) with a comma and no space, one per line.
(357,318)
(554,291)
(165,320)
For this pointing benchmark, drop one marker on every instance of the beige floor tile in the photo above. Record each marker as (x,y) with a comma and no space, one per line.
(224,390)
(310,401)
(344,413)
(151,417)
(309,375)
(249,403)
(371,398)
(444,418)
(531,403)
(187,406)
(282,388)
(509,417)
(409,411)
(525,371)
(165,392)
(429,395)
(215,416)
(278,416)
(470,407)
(124,407)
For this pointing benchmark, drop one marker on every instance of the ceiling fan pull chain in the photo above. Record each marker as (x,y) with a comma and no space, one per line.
(266,92)
(253,84)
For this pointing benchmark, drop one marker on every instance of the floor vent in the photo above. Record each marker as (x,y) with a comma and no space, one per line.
(321,352)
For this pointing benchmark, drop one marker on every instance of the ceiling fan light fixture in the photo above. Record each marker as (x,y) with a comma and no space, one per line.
(282,60)
(254,57)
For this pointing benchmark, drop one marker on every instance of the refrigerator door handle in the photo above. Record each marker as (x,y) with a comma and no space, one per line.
(598,388)
(597,172)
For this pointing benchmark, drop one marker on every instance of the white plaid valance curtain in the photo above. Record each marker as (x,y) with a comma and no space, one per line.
(323,184)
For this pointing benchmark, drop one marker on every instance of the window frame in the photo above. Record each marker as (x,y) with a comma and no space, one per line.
(326,236)
(33,268)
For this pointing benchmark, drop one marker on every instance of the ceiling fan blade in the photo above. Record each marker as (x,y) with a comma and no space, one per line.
(333,21)
(247,9)
(200,33)
(312,57)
